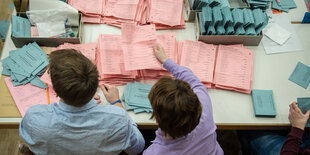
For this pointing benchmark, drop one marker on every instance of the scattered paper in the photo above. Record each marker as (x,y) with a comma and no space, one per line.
(301,75)
(278,34)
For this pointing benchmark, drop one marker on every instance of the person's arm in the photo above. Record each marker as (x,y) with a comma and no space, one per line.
(135,141)
(111,94)
(294,139)
(179,72)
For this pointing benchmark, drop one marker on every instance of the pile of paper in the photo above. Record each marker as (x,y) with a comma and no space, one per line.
(223,21)
(20,27)
(25,64)
(135,97)
(227,67)
(283,5)
(199,4)
(259,4)
(263,103)
(88,50)
(164,14)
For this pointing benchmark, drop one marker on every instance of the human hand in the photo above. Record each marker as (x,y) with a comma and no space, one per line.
(97,98)
(297,118)
(110,92)
(160,53)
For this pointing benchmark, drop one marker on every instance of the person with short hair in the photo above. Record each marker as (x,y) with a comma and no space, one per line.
(77,125)
(183,110)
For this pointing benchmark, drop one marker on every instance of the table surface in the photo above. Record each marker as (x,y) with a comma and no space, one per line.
(297,14)
(229,108)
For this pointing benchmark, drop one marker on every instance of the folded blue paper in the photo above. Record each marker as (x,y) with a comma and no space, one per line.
(304,106)
(25,65)
(217,15)
(237,15)
(135,97)
(206,16)
(301,75)
(4,26)
(263,103)
(201,24)
(20,27)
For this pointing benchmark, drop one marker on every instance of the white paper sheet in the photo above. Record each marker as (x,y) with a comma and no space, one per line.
(278,34)
(293,44)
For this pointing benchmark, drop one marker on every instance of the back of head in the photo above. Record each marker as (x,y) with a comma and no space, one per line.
(176,107)
(74,77)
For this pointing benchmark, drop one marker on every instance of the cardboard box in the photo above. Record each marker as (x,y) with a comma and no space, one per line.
(50,42)
(233,4)
(247,40)
(6,10)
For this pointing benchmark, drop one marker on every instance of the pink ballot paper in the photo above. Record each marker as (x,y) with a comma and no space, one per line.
(27,95)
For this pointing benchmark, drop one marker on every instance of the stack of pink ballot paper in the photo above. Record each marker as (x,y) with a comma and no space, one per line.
(164,14)
(88,50)
(227,67)
(129,57)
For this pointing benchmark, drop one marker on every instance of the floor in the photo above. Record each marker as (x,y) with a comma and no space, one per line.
(9,140)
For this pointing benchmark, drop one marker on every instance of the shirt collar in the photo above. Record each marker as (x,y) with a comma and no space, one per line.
(70,108)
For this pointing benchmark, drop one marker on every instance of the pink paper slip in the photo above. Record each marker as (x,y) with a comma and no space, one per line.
(27,95)
(200,58)
(234,68)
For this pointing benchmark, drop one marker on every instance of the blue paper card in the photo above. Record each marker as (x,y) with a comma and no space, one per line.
(304,106)
(301,75)
(20,27)
(263,103)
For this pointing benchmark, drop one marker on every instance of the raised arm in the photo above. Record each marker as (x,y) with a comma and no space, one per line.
(179,72)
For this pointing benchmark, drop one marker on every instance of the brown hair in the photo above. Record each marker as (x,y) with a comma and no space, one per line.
(74,77)
(176,107)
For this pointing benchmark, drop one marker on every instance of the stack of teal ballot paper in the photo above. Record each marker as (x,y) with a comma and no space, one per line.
(283,5)
(25,65)
(223,21)
(20,27)
(135,97)
(262,4)
(263,103)
(304,106)
(199,4)
(4,26)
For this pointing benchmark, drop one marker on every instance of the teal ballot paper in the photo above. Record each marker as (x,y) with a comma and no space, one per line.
(263,103)
(304,106)
(301,75)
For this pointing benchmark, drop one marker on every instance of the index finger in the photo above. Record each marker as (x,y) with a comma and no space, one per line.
(104,89)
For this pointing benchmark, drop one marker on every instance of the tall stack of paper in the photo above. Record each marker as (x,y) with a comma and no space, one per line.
(27,95)
(135,97)
(166,14)
(25,64)
(263,103)
(110,61)
(234,68)
(200,58)
(88,50)
(92,10)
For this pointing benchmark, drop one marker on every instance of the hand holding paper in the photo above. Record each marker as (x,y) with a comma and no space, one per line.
(160,53)
(297,118)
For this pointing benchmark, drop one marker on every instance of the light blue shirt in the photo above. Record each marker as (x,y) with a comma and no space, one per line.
(91,129)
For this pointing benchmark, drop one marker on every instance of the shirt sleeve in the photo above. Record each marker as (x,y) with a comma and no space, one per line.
(135,141)
(292,144)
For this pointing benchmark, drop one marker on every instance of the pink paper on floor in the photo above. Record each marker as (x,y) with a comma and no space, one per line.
(200,58)
(234,68)
(27,95)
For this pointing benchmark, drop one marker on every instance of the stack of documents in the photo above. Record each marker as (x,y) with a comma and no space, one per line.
(283,5)
(304,106)
(88,50)
(27,95)
(20,27)
(259,4)
(25,64)
(135,97)
(235,22)
(263,103)
(164,14)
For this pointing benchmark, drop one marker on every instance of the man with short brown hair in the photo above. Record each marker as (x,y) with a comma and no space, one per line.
(183,111)
(77,125)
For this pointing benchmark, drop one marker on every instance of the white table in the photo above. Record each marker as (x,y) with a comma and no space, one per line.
(231,110)
(297,14)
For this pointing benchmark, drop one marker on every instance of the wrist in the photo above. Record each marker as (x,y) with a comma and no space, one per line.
(116,101)
(164,60)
